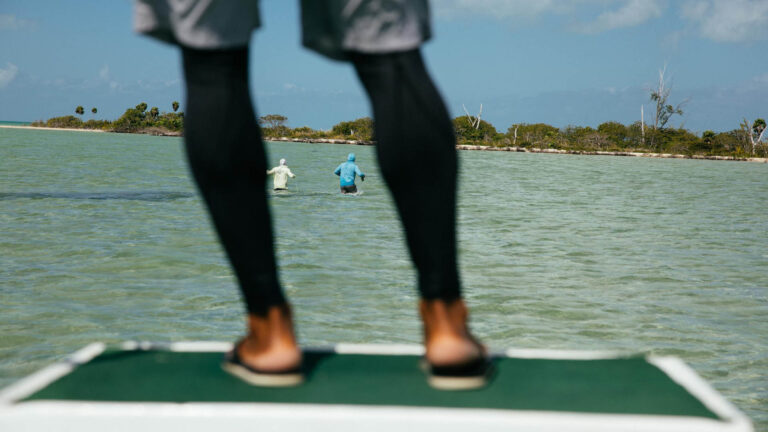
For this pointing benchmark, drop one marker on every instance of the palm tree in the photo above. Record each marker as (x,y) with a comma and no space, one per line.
(709,138)
(175,106)
(79,110)
(94,110)
(758,127)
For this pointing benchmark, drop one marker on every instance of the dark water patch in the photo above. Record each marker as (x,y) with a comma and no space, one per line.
(118,195)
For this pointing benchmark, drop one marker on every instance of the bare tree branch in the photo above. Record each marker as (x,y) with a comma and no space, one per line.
(473,121)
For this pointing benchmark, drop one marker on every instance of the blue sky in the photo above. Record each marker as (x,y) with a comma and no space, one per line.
(563,62)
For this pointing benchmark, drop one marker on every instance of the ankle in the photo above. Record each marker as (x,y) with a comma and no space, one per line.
(447,338)
(274,328)
(443,318)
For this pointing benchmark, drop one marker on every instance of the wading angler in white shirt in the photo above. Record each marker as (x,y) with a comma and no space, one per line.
(281,172)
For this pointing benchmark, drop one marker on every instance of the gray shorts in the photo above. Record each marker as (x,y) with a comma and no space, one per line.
(330,27)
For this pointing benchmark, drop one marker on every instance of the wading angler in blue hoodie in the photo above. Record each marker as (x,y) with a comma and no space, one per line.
(346,173)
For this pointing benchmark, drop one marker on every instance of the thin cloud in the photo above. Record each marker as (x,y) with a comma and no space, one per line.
(717,20)
(763,79)
(106,76)
(8,74)
(757,85)
(104,73)
(630,14)
(599,15)
(12,22)
(290,87)
(501,8)
(728,20)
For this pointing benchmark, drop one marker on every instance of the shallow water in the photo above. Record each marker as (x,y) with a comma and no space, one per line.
(104,238)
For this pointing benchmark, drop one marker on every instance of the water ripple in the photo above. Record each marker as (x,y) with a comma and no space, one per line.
(108,241)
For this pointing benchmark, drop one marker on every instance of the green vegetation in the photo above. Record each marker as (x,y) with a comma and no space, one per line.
(360,129)
(748,140)
(616,137)
(483,131)
(275,126)
(609,136)
(134,120)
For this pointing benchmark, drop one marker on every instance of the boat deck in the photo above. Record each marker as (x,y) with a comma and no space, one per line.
(363,387)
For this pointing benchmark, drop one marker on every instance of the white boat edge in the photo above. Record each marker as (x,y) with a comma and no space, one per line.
(50,415)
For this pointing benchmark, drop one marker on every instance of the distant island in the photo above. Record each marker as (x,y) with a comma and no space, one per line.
(473,133)
(135,120)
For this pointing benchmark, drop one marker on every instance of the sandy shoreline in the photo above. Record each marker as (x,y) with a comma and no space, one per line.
(536,150)
(49,128)
(467,147)
(612,153)
(321,140)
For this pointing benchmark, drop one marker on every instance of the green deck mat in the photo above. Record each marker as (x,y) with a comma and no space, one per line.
(617,386)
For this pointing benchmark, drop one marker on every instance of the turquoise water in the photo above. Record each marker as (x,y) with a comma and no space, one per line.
(104,238)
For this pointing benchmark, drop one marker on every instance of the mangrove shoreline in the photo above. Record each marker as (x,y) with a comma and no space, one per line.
(458,147)
(536,150)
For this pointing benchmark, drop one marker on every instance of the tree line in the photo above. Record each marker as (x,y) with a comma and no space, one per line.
(139,119)
(614,136)
(747,140)
(655,136)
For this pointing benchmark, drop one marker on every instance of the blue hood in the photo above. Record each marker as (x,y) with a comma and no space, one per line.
(347,171)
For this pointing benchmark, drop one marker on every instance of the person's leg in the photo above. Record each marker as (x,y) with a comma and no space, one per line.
(417,155)
(227,160)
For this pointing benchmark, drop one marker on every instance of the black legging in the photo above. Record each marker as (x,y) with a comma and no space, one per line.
(416,151)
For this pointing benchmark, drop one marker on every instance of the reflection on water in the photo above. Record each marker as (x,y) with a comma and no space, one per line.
(103,238)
